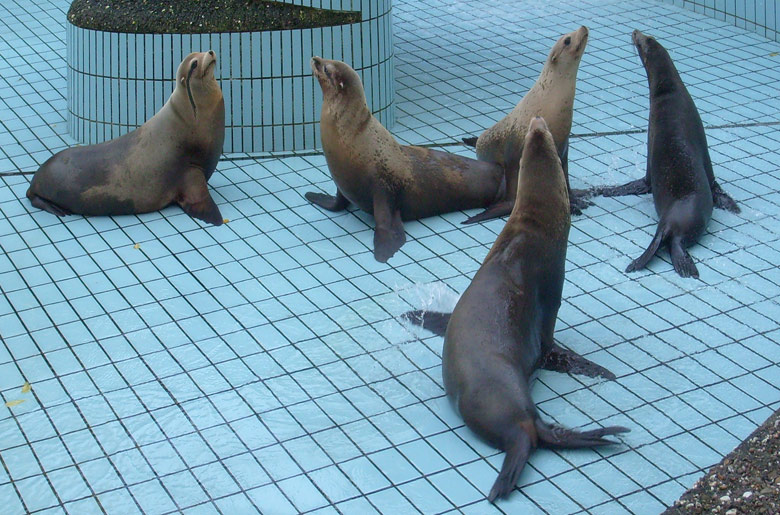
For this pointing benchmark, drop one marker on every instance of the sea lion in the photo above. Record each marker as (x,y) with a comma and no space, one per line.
(552,98)
(168,159)
(501,330)
(679,171)
(390,181)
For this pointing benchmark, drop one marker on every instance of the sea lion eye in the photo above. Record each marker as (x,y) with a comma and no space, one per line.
(194,65)
(567,41)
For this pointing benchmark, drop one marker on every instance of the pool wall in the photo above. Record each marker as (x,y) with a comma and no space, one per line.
(117,81)
(759,16)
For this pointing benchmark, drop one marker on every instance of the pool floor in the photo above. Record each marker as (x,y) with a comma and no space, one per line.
(154,364)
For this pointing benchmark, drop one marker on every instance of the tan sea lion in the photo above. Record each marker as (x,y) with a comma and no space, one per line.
(501,330)
(552,98)
(168,159)
(679,170)
(391,181)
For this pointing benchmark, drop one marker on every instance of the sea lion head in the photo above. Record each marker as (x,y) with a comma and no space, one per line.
(542,200)
(647,46)
(662,75)
(337,79)
(539,138)
(569,48)
(195,78)
(541,174)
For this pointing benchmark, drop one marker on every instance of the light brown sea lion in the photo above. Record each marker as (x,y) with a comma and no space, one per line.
(501,330)
(552,98)
(168,159)
(391,181)
(679,170)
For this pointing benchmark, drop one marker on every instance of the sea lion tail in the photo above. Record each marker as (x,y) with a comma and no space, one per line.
(472,141)
(556,437)
(433,321)
(514,461)
(641,261)
(681,260)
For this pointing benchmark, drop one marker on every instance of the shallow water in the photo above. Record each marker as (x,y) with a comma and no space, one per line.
(263,364)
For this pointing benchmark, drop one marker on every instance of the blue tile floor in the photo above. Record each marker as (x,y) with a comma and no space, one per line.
(262,365)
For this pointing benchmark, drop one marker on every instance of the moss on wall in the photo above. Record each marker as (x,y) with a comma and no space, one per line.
(200,16)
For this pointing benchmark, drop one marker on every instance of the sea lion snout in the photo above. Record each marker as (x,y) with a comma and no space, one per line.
(537,125)
(319,68)
(316,64)
(641,42)
(209,62)
(583,34)
(639,39)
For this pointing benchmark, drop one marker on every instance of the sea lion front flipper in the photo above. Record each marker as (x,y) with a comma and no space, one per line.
(332,203)
(723,200)
(47,205)
(497,210)
(433,321)
(564,360)
(637,187)
(514,462)
(196,200)
(389,233)
(556,437)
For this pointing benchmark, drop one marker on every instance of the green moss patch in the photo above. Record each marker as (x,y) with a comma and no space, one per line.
(199,16)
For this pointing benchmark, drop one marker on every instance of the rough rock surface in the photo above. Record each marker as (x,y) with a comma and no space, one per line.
(198,16)
(746,481)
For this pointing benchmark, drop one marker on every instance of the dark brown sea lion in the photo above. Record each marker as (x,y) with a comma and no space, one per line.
(679,171)
(552,98)
(167,160)
(501,330)
(391,181)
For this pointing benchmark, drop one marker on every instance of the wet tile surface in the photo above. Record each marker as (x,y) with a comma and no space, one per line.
(263,364)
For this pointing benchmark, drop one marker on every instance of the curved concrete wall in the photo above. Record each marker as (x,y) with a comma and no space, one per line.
(117,81)
(761,16)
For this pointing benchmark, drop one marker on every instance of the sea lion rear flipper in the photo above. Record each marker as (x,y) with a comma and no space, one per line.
(195,199)
(330,202)
(578,200)
(647,255)
(471,141)
(556,437)
(637,187)
(681,260)
(723,200)
(564,360)
(495,211)
(389,233)
(47,205)
(433,321)
(514,462)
